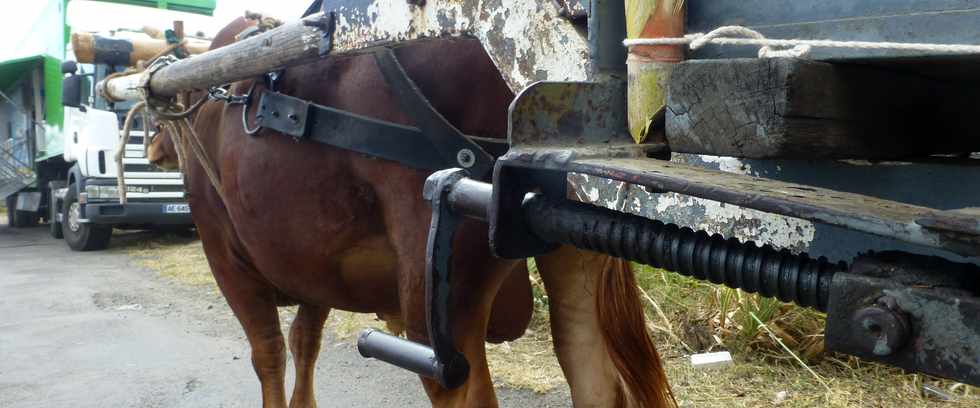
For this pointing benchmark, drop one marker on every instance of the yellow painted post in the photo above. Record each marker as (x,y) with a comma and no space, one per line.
(648,66)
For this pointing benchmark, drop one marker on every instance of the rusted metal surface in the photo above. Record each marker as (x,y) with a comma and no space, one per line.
(914,312)
(528,40)
(848,210)
(572,9)
(560,126)
(922,183)
(570,114)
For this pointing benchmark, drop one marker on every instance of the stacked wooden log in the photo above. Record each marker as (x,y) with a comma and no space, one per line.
(96,49)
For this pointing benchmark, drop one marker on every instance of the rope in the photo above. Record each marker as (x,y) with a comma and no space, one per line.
(174,118)
(121,147)
(774,48)
(140,67)
(171,115)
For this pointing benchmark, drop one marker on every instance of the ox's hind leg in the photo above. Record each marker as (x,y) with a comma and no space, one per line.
(304,342)
(571,279)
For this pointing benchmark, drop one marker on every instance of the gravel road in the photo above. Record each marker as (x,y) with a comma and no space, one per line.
(94,330)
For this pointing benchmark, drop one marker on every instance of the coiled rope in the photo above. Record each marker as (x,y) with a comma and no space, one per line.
(797,48)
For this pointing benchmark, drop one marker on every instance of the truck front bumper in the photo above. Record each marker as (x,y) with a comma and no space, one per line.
(136,213)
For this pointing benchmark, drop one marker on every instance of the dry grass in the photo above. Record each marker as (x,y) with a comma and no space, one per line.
(177,258)
(712,318)
(693,317)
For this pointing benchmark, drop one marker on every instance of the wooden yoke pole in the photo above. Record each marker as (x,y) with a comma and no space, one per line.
(293,43)
(649,66)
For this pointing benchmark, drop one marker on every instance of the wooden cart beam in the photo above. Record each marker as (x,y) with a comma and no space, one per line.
(293,43)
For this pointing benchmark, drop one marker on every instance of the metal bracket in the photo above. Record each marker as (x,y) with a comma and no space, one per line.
(283,113)
(910,311)
(438,277)
(443,361)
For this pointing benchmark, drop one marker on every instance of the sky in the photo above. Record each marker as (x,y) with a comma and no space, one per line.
(24,32)
(97,16)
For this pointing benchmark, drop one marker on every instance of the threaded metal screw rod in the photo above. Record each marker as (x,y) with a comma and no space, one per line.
(764,270)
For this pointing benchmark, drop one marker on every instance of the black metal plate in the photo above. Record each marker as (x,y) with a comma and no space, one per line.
(283,113)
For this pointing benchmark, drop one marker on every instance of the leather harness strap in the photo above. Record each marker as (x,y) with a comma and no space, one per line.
(434,145)
(452,145)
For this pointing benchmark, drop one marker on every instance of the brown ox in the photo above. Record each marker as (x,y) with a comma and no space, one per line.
(326,228)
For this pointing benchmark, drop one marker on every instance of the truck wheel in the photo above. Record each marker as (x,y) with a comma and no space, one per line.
(11,204)
(19,219)
(81,236)
(54,227)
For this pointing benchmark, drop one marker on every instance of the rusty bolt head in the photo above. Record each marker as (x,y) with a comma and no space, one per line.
(881,329)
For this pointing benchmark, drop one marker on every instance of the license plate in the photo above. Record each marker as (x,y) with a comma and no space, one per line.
(177,209)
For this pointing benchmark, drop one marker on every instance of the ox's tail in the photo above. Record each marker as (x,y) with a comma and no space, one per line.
(623,326)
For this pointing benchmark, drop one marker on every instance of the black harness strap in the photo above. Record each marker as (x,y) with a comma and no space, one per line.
(453,146)
(333,127)
(434,145)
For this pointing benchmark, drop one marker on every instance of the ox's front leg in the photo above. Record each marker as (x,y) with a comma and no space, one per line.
(260,319)
(254,303)
(304,342)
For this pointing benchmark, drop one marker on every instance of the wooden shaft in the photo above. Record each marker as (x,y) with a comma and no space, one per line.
(123,88)
(291,44)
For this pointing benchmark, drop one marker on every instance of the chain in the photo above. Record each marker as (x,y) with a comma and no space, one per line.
(217,93)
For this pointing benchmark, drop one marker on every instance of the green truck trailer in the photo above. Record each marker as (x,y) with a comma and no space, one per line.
(50,152)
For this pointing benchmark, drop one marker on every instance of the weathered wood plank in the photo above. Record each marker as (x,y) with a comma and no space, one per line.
(789,108)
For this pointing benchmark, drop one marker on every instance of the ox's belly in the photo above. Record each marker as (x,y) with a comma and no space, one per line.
(360,277)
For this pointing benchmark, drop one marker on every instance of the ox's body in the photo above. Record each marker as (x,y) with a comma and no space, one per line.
(301,223)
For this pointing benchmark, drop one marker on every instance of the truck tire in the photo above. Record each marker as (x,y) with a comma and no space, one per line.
(81,236)
(54,227)
(11,204)
(19,219)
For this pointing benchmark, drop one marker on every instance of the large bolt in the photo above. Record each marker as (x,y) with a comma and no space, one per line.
(466,158)
(882,328)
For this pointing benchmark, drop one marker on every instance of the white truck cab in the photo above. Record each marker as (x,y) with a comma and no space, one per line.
(87,206)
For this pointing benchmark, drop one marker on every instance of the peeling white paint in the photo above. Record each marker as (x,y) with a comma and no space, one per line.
(526,39)
(728,164)
(743,223)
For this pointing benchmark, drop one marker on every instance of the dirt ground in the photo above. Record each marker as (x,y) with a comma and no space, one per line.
(42,285)
(97,329)
(762,375)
